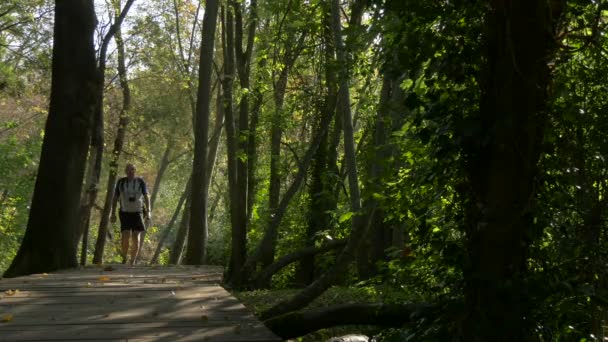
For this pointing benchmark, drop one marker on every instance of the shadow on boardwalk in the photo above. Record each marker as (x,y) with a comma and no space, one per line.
(123,303)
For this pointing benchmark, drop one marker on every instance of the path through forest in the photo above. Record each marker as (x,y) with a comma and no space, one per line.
(120,303)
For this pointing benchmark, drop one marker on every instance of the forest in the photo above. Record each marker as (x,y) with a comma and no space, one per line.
(412,170)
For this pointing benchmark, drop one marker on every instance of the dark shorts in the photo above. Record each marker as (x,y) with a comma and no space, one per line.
(131,221)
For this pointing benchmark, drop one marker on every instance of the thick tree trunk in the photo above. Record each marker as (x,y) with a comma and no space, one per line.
(167,230)
(52,227)
(359,227)
(199,231)
(117,150)
(502,167)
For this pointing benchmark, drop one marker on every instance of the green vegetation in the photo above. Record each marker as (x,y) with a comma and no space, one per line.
(478,139)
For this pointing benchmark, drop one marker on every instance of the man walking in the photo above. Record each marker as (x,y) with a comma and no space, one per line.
(132,193)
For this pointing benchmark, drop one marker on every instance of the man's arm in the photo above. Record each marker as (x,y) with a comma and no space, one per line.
(114,203)
(148,207)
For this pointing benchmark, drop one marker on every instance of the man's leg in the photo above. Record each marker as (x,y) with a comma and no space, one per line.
(135,245)
(126,234)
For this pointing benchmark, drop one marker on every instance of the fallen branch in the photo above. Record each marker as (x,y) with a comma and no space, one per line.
(295,324)
(264,276)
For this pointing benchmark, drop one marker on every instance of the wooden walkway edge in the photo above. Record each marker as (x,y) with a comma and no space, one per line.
(125,303)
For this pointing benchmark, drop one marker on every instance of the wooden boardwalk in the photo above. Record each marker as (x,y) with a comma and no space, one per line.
(122,303)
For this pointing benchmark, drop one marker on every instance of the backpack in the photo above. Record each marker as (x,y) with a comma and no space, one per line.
(121,188)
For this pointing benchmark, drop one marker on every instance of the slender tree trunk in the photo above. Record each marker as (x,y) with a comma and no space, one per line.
(262,279)
(117,150)
(378,238)
(167,230)
(502,166)
(238,232)
(215,138)
(359,227)
(48,243)
(275,221)
(162,168)
(252,155)
(243,62)
(280,87)
(97,141)
(182,233)
(198,234)
(321,199)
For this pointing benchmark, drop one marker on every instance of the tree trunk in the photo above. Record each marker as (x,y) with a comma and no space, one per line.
(48,243)
(280,87)
(275,221)
(263,278)
(239,231)
(215,138)
(359,227)
(198,234)
(182,233)
(252,155)
(169,226)
(162,167)
(321,198)
(502,164)
(298,324)
(97,140)
(243,66)
(379,236)
(117,150)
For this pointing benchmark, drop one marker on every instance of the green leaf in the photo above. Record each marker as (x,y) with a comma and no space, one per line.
(345,217)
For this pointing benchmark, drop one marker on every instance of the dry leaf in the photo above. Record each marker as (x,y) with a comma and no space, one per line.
(204,318)
(6,318)
(104,278)
(11,292)
(108,268)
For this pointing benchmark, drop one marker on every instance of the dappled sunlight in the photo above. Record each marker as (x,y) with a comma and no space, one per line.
(126,303)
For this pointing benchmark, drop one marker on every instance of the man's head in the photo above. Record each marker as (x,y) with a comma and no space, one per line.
(130,170)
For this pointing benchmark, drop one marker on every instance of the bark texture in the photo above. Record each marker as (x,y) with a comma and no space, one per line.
(123,121)
(199,231)
(52,227)
(502,166)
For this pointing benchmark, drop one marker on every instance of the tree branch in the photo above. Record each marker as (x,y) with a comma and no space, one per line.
(299,323)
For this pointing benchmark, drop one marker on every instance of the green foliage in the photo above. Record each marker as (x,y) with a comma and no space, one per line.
(18,165)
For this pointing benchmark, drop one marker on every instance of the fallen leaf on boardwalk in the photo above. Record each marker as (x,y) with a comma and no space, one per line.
(89,284)
(204,318)
(104,278)
(108,268)
(44,274)
(6,318)
(11,292)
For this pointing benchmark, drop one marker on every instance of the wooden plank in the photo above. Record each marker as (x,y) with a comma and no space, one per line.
(241,332)
(126,303)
